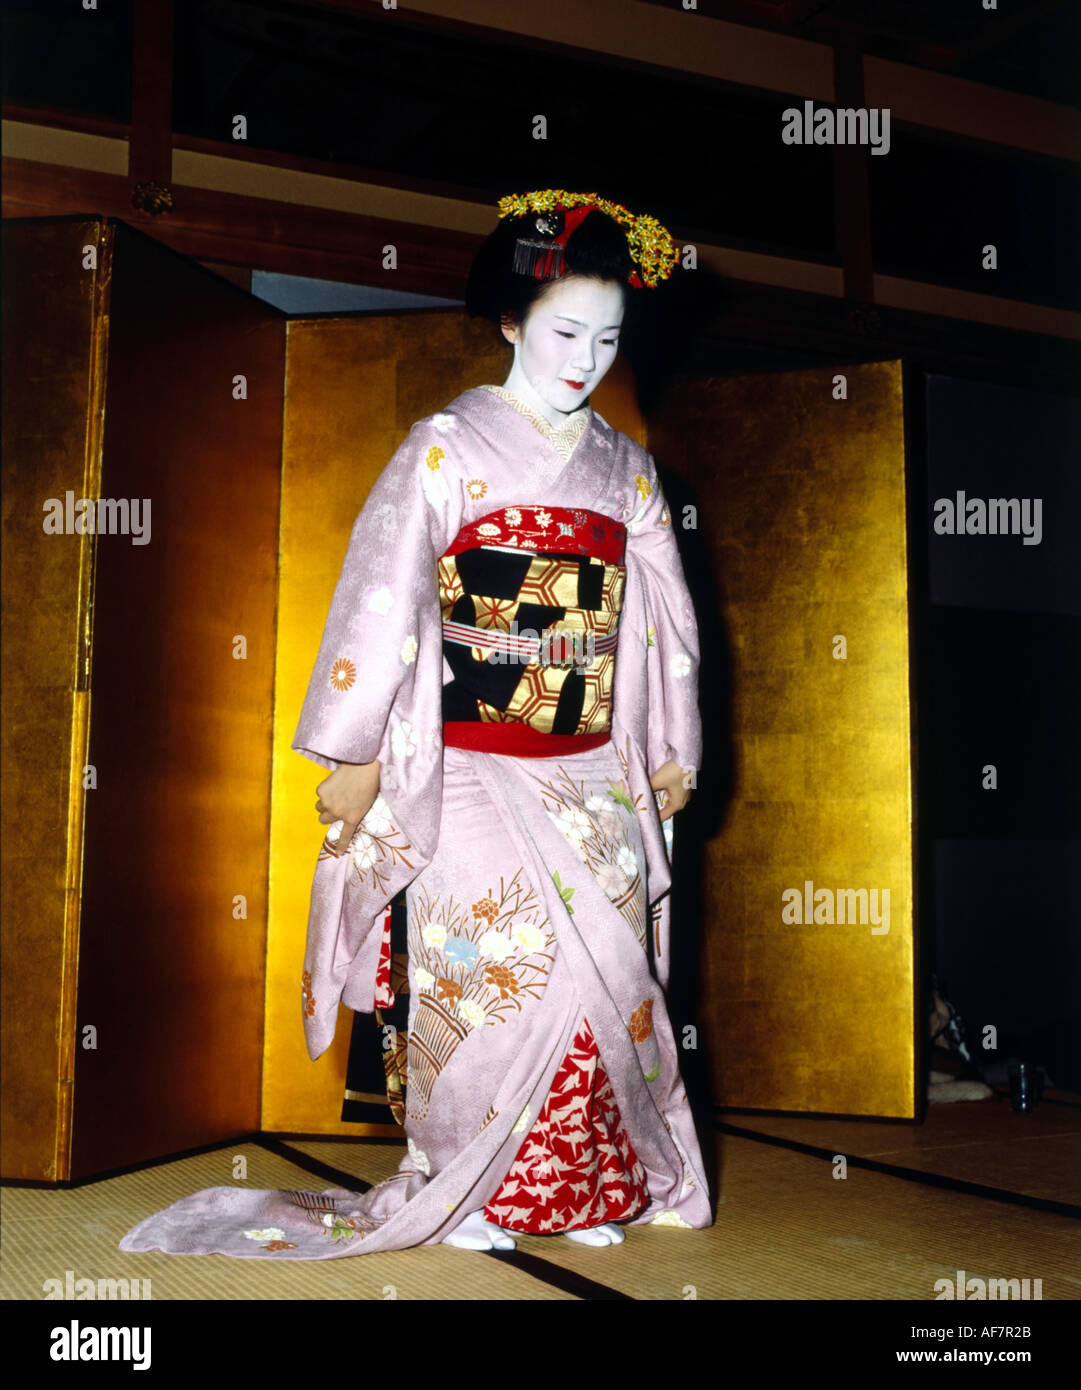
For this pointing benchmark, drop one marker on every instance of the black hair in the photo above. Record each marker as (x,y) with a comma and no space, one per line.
(596,248)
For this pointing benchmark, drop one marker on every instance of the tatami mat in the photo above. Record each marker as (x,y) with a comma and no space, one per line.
(1037,1154)
(785,1229)
(46,1233)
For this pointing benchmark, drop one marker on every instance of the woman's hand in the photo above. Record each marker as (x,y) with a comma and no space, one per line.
(348,794)
(672,780)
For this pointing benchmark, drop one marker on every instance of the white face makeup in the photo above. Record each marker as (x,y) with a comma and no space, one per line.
(566,345)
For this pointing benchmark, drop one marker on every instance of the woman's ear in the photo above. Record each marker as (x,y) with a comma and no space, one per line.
(509,328)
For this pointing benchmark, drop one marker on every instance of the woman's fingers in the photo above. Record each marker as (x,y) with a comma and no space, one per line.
(675,799)
(348,830)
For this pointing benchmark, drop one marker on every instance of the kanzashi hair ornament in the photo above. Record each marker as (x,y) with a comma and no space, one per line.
(540,253)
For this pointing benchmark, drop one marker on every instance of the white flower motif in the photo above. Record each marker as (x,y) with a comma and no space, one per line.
(443,423)
(409,649)
(488,528)
(680,664)
(424,978)
(512,516)
(626,860)
(522,1122)
(542,518)
(403,739)
(420,1158)
(434,934)
(334,832)
(364,851)
(576,845)
(380,600)
(472,1012)
(268,1233)
(495,944)
(612,880)
(527,936)
(378,821)
(604,813)
(435,487)
(670,1218)
(573,824)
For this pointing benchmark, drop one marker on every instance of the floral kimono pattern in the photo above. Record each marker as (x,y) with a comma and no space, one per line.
(543,1075)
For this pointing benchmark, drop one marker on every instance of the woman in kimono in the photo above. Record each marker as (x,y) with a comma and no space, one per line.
(505,690)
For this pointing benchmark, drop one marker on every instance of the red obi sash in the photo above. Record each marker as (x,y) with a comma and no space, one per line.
(512,583)
(562,530)
(517,740)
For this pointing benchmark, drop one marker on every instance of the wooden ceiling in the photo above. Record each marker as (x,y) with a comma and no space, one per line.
(1028,46)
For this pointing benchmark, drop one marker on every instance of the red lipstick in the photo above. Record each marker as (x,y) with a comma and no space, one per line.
(577,385)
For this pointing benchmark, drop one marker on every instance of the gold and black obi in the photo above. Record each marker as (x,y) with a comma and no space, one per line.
(531,598)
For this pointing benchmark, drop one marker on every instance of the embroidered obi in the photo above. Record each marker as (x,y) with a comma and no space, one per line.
(531,598)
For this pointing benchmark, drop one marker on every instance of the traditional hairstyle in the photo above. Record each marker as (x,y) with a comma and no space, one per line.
(544,236)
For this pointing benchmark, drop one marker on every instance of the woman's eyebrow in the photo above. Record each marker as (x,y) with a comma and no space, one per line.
(567,317)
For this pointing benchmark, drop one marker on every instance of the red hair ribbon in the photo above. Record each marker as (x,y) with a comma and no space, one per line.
(571,220)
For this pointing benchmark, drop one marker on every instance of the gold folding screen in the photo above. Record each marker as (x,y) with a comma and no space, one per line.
(151,909)
(55,340)
(799,484)
(138,693)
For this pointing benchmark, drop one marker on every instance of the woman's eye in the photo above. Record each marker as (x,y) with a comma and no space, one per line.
(607,342)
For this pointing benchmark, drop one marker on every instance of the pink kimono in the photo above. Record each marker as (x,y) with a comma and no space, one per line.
(515,809)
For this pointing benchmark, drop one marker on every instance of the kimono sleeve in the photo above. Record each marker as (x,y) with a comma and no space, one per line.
(674,724)
(385,609)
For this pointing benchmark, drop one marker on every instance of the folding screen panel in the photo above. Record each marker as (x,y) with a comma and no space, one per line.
(53,378)
(173,935)
(807,990)
(138,697)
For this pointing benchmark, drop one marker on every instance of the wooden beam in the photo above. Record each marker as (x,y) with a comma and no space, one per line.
(751,319)
(851,185)
(151,156)
(256,233)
